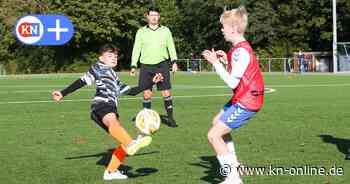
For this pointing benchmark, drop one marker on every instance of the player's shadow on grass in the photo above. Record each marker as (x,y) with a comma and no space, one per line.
(106,157)
(343,145)
(212,166)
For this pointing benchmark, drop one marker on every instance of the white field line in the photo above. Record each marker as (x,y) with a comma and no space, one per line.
(175,87)
(122,98)
(268,90)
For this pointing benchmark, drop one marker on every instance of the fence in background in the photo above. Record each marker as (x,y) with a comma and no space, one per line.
(284,65)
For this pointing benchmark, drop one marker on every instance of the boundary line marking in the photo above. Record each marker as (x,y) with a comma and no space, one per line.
(269,90)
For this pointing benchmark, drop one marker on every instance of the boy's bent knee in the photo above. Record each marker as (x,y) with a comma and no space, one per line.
(110,120)
(212,136)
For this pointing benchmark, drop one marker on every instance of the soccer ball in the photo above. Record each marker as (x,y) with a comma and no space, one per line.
(147,121)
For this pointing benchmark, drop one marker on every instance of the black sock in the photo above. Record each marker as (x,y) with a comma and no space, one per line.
(168,105)
(147,103)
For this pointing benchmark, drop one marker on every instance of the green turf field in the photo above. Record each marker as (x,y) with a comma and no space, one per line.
(305,122)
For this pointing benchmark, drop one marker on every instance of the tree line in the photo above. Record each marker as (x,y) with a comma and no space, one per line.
(276,28)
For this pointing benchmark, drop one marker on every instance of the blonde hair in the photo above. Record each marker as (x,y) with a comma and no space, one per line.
(236,17)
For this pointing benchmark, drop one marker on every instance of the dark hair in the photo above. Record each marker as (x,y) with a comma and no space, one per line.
(108,48)
(153,8)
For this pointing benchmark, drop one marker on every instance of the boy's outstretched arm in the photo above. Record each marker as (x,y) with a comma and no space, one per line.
(133,91)
(58,95)
(87,79)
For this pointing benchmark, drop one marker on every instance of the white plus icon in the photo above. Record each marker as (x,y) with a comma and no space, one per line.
(57,29)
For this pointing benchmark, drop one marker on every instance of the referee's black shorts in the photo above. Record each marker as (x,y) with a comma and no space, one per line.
(100,109)
(147,73)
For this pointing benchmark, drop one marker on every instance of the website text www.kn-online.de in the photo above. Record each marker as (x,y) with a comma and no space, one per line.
(273,170)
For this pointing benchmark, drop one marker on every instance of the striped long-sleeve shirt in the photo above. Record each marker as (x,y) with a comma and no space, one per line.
(108,85)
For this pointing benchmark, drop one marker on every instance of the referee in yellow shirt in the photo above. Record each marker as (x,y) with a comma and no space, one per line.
(154,47)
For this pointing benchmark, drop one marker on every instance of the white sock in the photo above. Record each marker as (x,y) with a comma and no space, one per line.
(231,149)
(225,160)
(229,160)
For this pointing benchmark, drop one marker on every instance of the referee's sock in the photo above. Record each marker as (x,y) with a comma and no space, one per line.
(168,105)
(147,103)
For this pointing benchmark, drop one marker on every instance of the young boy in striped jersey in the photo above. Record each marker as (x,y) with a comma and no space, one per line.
(244,77)
(104,106)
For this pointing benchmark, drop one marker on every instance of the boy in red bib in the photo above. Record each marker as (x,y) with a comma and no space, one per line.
(244,77)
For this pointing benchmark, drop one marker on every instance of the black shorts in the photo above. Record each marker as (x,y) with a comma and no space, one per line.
(100,109)
(147,73)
